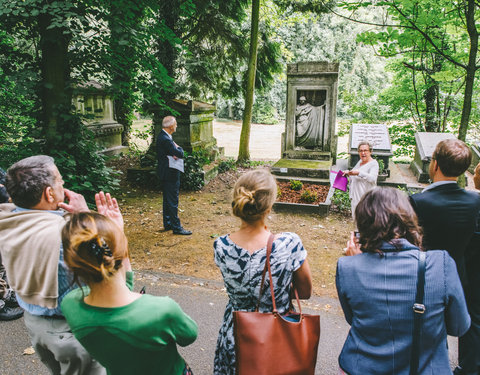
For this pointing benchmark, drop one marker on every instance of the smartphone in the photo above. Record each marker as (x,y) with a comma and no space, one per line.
(357,235)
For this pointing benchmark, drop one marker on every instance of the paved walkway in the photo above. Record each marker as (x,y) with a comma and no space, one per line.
(204,301)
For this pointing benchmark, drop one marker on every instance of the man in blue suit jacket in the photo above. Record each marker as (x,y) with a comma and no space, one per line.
(448,215)
(170,177)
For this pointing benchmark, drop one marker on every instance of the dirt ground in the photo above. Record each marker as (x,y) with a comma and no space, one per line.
(208,214)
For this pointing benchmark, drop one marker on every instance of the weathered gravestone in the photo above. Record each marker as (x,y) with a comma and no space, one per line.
(93,101)
(475,157)
(311,111)
(425,145)
(309,144)
(377,135)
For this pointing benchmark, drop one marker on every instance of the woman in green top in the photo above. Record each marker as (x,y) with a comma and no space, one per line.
(126,332)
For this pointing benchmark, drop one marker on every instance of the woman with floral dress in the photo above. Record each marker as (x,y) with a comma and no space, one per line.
(241,258)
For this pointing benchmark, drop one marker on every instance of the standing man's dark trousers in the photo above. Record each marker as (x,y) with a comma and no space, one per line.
(171,190)
(469,344)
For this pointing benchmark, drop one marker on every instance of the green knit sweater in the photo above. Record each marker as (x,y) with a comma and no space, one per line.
(139,338)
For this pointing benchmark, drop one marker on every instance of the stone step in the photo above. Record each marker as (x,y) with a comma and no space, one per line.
(302,168)
(307,155)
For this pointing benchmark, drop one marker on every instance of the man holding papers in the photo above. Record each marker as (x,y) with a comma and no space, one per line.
(170,164)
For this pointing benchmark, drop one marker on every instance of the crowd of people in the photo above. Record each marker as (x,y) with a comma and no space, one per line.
(68,269)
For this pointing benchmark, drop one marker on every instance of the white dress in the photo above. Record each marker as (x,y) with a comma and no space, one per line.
(365,181)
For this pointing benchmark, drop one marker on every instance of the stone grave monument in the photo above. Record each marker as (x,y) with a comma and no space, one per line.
(194,133)
(475,157)
(92,101)
(425,145)
(377,135)
(309,144)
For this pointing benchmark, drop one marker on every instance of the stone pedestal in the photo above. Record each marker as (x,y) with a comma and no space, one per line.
(425,145)
(377,135)
(92,101)
(195,126)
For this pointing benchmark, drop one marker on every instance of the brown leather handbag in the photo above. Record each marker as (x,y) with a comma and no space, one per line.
(275,344)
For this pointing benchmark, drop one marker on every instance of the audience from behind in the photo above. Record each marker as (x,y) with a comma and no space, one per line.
(32,254)
(241,259)
(377,289)
(363,176)
(449,215)
(126,332)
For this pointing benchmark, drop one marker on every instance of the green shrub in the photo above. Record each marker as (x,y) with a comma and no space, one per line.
(341,201)
(309,196)
(226,165)
(193,177)
(296,185)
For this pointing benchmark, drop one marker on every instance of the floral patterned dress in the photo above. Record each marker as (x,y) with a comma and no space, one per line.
(242,274)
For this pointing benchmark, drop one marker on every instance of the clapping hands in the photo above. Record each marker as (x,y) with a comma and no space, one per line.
(108,206)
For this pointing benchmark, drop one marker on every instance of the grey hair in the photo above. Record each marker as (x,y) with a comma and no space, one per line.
(365,143)
(28,178)
(168,121)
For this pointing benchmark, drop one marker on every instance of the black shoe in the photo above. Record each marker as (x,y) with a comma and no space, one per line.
(167,228)
(11,313)
(11,300)
(182,231)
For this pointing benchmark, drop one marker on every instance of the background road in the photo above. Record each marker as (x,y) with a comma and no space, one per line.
(204,301)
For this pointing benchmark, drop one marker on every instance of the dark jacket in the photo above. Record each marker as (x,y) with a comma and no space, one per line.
(448,215)
(377,293)
(166,147)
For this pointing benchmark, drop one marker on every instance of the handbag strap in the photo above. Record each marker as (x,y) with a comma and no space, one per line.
(268,268)
(418,309)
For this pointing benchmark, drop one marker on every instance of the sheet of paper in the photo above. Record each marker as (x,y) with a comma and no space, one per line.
(175,163)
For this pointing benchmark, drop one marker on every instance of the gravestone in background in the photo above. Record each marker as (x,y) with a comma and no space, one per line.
(425,145)
(92,101)
(377,135)
(475,157)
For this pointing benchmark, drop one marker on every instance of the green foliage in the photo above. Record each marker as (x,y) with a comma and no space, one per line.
(226,165)
(193,177)
(341,201)
(381,165)
(296,185)
(309,196)
(402,135)
(263,112)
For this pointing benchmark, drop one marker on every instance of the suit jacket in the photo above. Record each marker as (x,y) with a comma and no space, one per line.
(166,147)
(448,215)
(377,293)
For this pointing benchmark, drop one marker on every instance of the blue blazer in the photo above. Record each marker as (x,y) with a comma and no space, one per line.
(166,147)
(448,215)
(377,293)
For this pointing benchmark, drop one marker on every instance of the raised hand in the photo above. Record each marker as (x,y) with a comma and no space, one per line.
(76,202)
(353,247)
(108,206)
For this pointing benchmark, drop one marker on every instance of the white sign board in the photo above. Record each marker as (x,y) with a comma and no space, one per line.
(376,134)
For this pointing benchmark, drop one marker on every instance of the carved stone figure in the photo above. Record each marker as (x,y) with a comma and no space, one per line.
(309,124)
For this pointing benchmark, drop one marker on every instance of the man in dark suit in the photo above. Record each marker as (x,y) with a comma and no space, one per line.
(170,177)
(448,215)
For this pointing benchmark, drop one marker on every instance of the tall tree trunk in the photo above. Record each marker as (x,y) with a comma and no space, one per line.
(471,69)
(123,73)
(55,91)
(430,97)
(244,152)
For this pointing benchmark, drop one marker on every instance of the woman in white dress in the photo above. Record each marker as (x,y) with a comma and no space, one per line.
(363,176)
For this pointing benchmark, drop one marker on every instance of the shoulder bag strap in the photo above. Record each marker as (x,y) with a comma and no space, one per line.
(418,310)
(267,267)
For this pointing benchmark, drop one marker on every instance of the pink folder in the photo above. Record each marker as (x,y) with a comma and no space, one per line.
(340,182)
